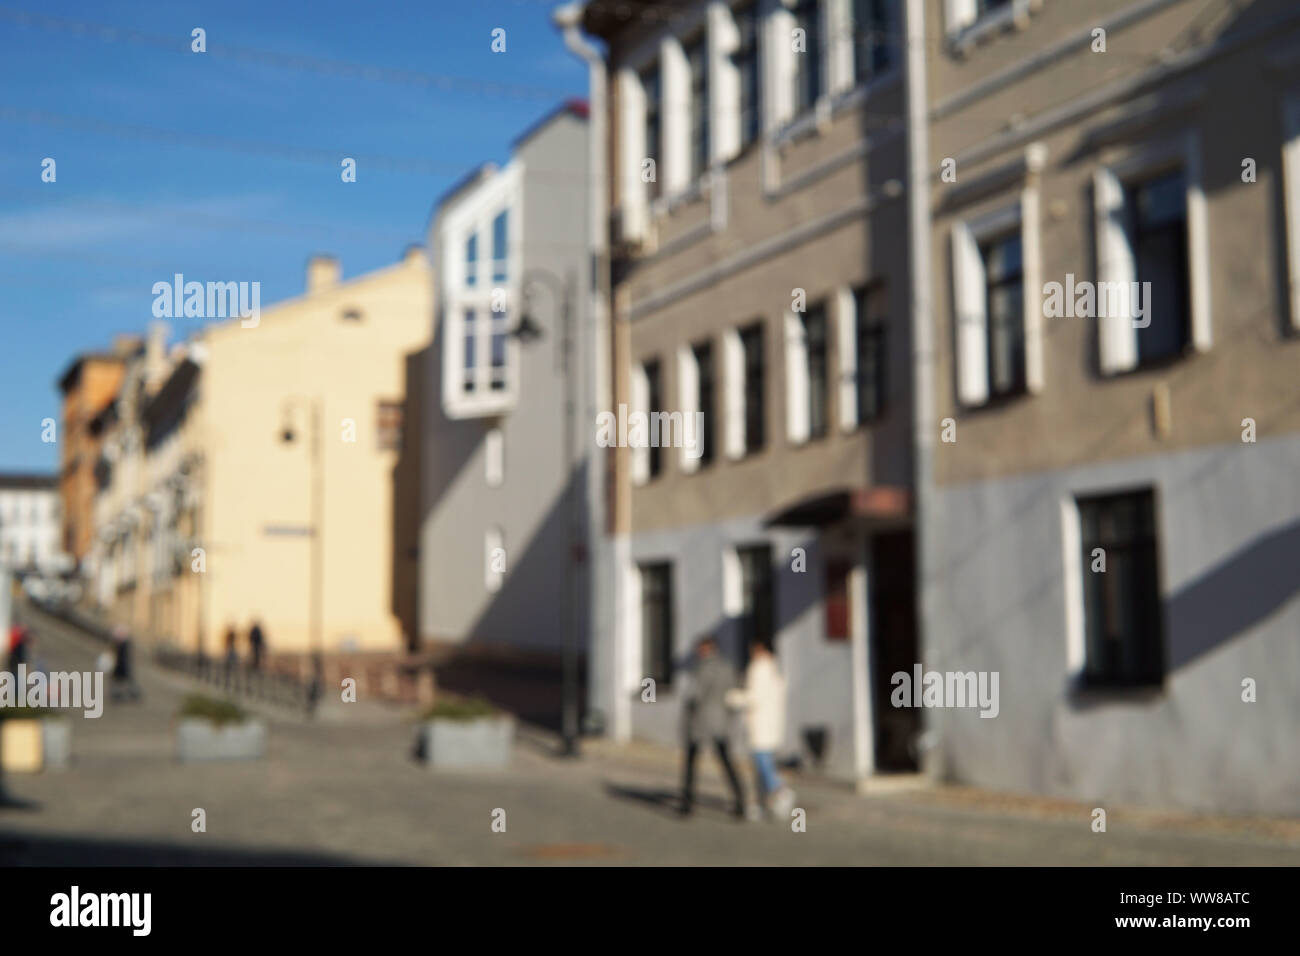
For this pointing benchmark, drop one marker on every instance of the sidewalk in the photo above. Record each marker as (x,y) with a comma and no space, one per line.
(350,792)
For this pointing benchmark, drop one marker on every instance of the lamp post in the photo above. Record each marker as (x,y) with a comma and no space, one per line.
(526,332)
(317,492)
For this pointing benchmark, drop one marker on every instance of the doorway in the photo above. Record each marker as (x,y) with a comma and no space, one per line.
(893,648)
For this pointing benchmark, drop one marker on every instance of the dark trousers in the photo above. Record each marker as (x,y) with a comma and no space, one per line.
(688,782)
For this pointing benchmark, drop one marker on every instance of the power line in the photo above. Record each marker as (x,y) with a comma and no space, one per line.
(289,61)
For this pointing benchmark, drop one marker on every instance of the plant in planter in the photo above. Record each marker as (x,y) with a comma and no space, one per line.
(212,729)
(457,733)
(34,739)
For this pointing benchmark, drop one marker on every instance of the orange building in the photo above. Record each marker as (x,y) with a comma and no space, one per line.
(88,385)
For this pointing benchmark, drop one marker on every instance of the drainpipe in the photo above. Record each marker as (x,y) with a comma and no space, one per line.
(919,236)
(607,548)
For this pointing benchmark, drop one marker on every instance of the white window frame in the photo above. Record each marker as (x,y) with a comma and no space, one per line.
(733,377)
(970,294)
(965,26)
(1117,337)
(474,213)
(688,400)
(641,403)
(1291,193)
(797,392)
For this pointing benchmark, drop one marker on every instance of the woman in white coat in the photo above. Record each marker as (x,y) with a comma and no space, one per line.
(763,701)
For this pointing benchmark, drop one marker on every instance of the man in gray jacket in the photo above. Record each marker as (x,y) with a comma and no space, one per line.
(707,717)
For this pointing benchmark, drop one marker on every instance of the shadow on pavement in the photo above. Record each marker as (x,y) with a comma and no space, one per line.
(665,802)
(27,849)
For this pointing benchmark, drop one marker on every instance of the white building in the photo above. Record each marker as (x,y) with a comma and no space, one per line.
(29,523)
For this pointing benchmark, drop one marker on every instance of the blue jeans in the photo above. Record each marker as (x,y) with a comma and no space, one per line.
(765,767)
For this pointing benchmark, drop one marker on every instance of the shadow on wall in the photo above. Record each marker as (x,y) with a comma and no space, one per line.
(405,537)
(1234,596)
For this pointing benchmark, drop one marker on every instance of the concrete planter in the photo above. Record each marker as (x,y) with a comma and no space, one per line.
(483,743)
(29,745)
(199,739)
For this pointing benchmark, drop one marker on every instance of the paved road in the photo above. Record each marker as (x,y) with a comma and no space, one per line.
(346,792)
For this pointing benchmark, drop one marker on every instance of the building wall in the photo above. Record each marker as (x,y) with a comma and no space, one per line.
(1229,527)
(814,204)
(261,378)
(817,671)
(1249,371)
(1003,589)
(30,524)
(94,387)
(529,508)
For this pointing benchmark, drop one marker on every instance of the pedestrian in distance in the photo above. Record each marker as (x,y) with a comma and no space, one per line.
(708,719)
(256,644)
(762,700)
(124,686)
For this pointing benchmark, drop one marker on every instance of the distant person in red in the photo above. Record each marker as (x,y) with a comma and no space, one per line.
(18,646)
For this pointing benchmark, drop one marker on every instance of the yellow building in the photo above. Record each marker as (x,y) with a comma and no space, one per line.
(304,511)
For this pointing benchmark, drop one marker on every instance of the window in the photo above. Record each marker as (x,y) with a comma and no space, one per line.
(471,366)
(703,353)
(814,334)
(388,430)
(869,340)
(650,86)
(351,315)
(494,457)
(471,261)
(751,346)
(500,247)
(875,38)
(657,623)
(697,60)
(1159,226)
(984,15)
(1123,626)
(500,336)
(756,617)
(654,399)
(837,600)
(1004,308)
(808,63)
(745,60)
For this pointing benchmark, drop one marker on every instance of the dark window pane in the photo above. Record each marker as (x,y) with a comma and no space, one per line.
(697,57)
(704,364)
(1004,309)
(470,365)
(875,38)
(756,616)
(1159,216)
(745,59)
(1124,630)
(814,326)
(870,335)
(651,88)
(751,342)
(657,623)
(808,64)
(654,393)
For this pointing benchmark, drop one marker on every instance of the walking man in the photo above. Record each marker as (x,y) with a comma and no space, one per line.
(707,718)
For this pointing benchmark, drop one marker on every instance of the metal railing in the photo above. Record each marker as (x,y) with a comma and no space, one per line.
(241,680)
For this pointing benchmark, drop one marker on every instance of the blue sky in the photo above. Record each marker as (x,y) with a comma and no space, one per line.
(225,165)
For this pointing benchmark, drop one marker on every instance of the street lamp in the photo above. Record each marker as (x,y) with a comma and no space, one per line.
(317,594)
(527,332)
